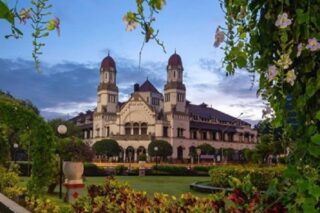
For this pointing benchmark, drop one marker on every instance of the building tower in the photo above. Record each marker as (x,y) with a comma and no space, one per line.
(107,98)
(174,89)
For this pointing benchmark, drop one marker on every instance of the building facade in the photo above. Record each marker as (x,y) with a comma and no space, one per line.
(150,115)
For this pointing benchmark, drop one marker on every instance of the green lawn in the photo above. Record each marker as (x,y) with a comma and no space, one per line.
(172,185)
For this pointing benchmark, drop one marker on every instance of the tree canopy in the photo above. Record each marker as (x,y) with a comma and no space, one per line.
(107,147)
(164,148)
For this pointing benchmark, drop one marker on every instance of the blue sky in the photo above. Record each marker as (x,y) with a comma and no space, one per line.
(89,28)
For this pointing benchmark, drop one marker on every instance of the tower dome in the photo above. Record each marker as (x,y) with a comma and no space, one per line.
(175,61)
(108,63)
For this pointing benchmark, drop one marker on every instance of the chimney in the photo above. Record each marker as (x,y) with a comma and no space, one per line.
(136,87)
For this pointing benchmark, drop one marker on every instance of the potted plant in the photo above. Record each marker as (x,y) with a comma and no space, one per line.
(142,160)
(74,152)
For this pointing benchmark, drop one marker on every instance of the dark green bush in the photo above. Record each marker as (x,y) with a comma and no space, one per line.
(202,168)
(260,176)
(120,169)
(23,168)
(91,169)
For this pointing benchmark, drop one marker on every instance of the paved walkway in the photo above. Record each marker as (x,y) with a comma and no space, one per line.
(11,205)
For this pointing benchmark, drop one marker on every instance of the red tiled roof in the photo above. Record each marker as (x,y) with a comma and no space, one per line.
(175,60)
(108,62)
(148,87)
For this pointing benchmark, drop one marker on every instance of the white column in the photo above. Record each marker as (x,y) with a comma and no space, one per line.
(135,156)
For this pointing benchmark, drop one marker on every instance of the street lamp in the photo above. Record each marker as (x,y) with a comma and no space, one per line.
(62,130)
(198,153)
(130,156)
(15,148)
(156,151)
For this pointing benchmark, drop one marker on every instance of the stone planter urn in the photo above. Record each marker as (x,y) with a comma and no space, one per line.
(73,172)
(142,170)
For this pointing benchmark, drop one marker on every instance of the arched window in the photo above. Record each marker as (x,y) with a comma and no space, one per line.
(127,129)
(144,128)
(136,129)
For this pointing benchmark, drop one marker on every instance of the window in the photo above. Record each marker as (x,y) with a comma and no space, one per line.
(180,97)
(112,98)
(194,135)
(180,132)
(106,76)
(99,98)
(98,132)
(165,131)
(127,129)
(144,128)
(136,129)
(167,97)
(108,131)
(155,101)
(204,135)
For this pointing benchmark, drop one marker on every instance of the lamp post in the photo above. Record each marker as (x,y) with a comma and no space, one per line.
(15,148)
(130,156)
(62,130)
(198,153)
(156,151)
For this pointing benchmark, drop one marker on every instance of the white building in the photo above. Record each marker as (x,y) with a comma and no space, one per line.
(149,115)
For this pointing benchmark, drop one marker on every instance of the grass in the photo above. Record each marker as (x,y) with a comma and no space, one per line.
(172,185)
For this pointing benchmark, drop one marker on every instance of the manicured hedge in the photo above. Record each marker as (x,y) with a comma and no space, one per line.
(91,169)
(260,176)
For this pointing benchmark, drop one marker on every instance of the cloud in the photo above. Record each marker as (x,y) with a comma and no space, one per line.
(207,82)
(68,88)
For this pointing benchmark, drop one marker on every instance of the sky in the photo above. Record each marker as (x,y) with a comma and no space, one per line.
(70,62)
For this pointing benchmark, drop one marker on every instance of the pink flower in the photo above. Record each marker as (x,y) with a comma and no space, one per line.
(313,44)
(291,77)
(283,21)
(272,72)
(24,15)
(57,25)
(300,48)
(219,37)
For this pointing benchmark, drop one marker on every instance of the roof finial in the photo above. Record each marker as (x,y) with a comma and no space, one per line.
(108,52)
(175,51)
(147,78)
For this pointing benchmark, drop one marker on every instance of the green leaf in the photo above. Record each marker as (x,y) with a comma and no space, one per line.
(314,150)
(318,115)
(311,87)
(5,13)
(316,139)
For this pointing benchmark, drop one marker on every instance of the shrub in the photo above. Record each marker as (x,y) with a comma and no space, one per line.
(23,168)
(73,149)
(142,157)
(202,168)
(91,169)
(120,169)
(260,176)
(117,197)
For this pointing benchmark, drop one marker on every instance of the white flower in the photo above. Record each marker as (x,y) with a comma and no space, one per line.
(267,111)
(291,77)
(283,21)
(131,24)
(313,44)
(300,48)
(284,61)
(272,72)
(219,38)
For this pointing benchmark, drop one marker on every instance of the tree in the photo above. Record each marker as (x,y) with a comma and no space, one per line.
(107,147)
(31,132)
(206,149)
(164,149)
(72,129)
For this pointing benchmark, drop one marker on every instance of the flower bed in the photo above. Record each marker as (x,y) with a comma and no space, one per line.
(261,176)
